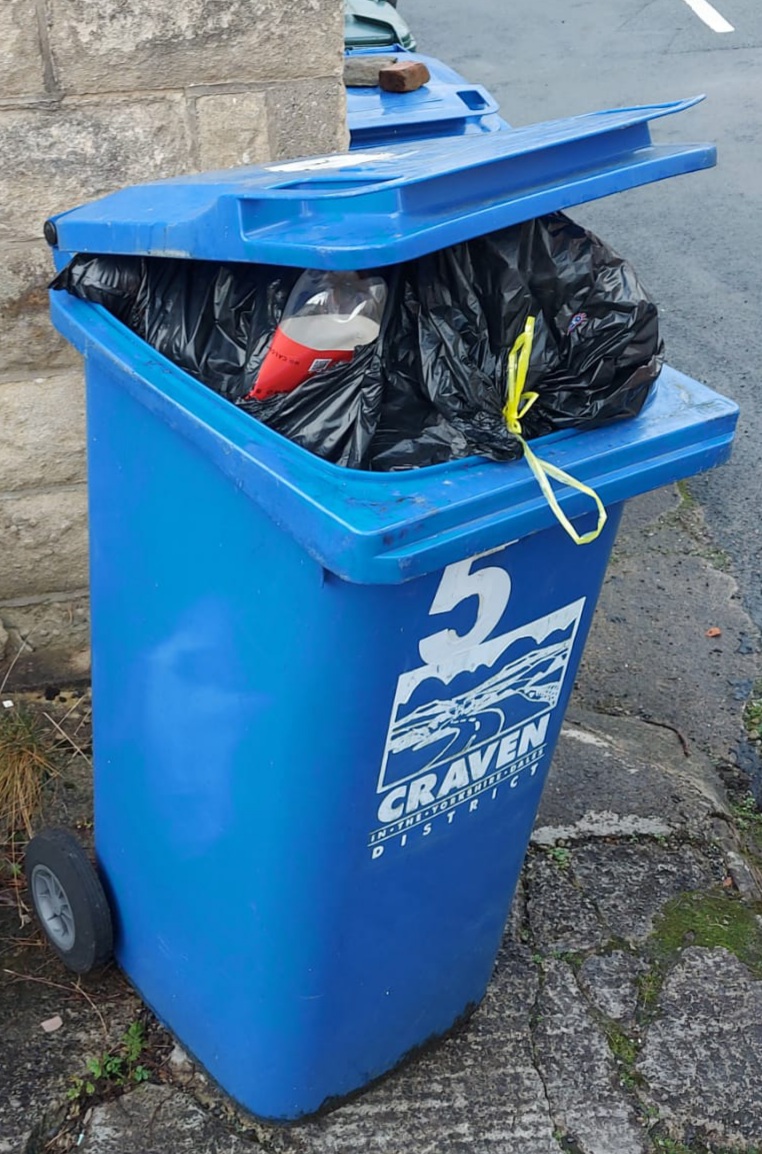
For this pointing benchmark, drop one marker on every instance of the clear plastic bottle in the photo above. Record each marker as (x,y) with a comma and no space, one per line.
(327,317)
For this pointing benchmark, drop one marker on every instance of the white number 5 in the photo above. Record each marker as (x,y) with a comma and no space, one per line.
(491,585)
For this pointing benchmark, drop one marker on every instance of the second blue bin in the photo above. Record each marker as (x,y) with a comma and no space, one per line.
(447,105)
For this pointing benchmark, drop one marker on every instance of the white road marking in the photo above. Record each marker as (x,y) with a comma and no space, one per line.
(710,15)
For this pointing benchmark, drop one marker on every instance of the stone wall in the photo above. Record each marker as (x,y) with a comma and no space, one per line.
(94,96)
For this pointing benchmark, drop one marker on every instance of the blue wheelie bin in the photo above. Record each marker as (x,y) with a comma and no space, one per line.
(326,700)
(447,105)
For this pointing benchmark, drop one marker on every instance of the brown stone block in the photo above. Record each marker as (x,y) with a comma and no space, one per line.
(406,76)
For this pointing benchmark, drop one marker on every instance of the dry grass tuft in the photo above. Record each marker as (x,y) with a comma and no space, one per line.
(25,765)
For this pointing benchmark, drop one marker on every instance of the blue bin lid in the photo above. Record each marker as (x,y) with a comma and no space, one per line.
(446,106)
(384,205)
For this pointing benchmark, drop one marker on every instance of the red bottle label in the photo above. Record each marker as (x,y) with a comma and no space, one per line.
(288,363)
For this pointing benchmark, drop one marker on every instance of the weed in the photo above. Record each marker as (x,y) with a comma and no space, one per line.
(663,1144)
(80,1087)
(134,1040)
(625,1050)
(747,813)
(560,855)
(649,987)
(114,1070)
(687,500)
(748,821)
(668,1146)
(570,957)
(752,715)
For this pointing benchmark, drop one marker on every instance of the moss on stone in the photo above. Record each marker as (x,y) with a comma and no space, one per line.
(709,919)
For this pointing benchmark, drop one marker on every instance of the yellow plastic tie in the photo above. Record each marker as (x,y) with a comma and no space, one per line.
(518,367)
(517,405)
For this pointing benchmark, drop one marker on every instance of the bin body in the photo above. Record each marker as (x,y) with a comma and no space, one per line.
(311,834)
(313,795)
(326,701)
(448,105)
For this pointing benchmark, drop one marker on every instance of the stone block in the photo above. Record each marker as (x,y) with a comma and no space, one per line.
(620,777)
(174,1121)
(48,640)
(307,118)
(118,45)
(44,538)
(362,71)
(29,339)
(630,883)
(703,1053)
(42,432)
(54,159)
(403,76)
(232,129)
(610,982)
(579,1071)
(561,915)
(21,66)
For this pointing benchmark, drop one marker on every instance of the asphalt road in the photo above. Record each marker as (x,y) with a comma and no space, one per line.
(696,241)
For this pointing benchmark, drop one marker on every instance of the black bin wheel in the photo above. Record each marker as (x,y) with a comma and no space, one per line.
(69,900)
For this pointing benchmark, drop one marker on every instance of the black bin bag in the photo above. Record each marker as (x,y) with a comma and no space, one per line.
(433,386)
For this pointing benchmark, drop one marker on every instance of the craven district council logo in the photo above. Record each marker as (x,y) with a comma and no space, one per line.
(473,719)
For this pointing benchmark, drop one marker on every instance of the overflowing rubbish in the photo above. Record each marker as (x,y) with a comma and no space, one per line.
(414,365)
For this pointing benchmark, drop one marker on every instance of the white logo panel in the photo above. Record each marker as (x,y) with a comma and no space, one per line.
(475,715)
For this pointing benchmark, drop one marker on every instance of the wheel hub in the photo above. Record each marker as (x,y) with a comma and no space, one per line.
(53,907)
